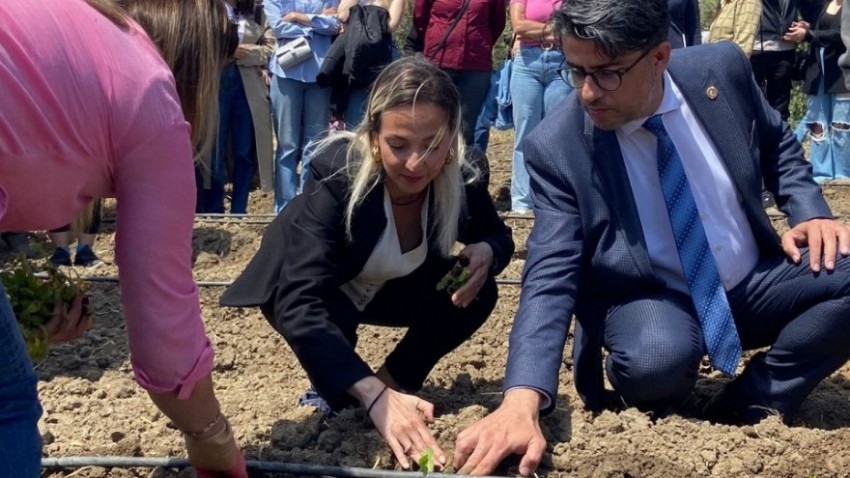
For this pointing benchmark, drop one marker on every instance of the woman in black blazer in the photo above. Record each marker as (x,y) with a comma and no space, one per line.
(828,101)
(368,243)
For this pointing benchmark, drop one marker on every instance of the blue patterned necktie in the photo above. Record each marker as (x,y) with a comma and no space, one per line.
(707,293)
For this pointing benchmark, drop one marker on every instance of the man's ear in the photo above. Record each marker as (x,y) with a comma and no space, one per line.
(661,55)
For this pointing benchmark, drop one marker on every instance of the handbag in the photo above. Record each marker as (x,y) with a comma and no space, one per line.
(293,53)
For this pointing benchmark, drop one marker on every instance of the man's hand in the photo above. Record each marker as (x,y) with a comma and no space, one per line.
(825,238)
(512,429)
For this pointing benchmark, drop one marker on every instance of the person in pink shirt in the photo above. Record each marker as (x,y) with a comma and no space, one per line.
(93,108)
(536,88)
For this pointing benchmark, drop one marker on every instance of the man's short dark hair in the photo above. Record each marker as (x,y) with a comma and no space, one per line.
(617,27)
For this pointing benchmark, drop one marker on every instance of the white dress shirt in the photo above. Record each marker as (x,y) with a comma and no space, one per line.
(726,227)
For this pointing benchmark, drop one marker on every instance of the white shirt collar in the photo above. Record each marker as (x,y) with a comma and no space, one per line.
(670,101)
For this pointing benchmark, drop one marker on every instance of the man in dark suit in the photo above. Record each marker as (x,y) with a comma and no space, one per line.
(649,227)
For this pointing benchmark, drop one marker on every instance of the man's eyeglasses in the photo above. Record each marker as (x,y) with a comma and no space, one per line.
(608,80)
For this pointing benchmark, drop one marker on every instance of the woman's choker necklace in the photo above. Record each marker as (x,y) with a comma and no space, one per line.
(409,201)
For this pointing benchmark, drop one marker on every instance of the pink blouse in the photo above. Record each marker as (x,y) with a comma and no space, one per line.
(89,111)
(539,10)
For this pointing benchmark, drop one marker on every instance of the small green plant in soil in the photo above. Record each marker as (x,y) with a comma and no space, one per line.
(34,301)
(426,461)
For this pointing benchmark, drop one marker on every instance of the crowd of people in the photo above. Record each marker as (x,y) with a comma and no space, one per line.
(642,154)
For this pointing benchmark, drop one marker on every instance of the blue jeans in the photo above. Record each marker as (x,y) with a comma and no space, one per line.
(300,112)
(473,87)
(20,443)
(356,107)
(536,89)
(827,124)
(234,120)
(487,116)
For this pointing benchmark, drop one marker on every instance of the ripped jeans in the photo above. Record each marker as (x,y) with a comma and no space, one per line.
(827,125)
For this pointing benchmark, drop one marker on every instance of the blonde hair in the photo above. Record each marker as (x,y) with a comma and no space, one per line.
(195,39)
(407,82)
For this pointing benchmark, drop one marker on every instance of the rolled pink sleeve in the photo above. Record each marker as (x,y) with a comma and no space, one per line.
(155,188)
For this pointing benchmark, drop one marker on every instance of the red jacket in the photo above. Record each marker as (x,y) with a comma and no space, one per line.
(470,44)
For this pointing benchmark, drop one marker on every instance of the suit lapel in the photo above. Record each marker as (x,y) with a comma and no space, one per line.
(732,138)
(612,170)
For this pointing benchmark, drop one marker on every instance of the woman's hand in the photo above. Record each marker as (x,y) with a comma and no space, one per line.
(242,51)
(402,420)
(480,257)
(297,17)
(797,32)
(70,325)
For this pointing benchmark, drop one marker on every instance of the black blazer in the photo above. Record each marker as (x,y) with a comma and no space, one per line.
(830,40)
(305,257)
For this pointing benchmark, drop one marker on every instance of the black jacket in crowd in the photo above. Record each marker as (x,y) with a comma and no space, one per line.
(826,34)
(777,16)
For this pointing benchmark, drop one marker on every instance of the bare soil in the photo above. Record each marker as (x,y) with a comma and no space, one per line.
(93,407)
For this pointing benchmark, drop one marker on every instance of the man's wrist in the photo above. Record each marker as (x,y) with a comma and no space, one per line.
(526,400)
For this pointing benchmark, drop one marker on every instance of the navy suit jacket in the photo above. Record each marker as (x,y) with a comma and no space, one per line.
(587,252)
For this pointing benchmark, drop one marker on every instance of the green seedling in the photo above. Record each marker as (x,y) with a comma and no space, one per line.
(34,301)
(426,461)
(456,277)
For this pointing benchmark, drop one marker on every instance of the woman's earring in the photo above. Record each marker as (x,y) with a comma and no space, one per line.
(450,157)
(376,154)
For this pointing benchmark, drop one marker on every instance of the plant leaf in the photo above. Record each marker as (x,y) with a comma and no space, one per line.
(426,461)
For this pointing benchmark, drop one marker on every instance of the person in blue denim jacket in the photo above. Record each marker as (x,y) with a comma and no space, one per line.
(300,107)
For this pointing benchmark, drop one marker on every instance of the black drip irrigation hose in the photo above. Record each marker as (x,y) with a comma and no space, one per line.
(219,283)
(267,218)
(290,468)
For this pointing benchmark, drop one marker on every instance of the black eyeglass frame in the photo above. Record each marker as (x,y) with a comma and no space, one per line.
(566,74)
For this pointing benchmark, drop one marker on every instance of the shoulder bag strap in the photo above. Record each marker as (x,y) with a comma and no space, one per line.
(442,43)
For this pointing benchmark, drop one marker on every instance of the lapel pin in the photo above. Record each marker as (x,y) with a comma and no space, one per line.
(712,92)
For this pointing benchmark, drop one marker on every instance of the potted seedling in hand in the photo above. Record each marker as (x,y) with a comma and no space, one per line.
(456,277)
